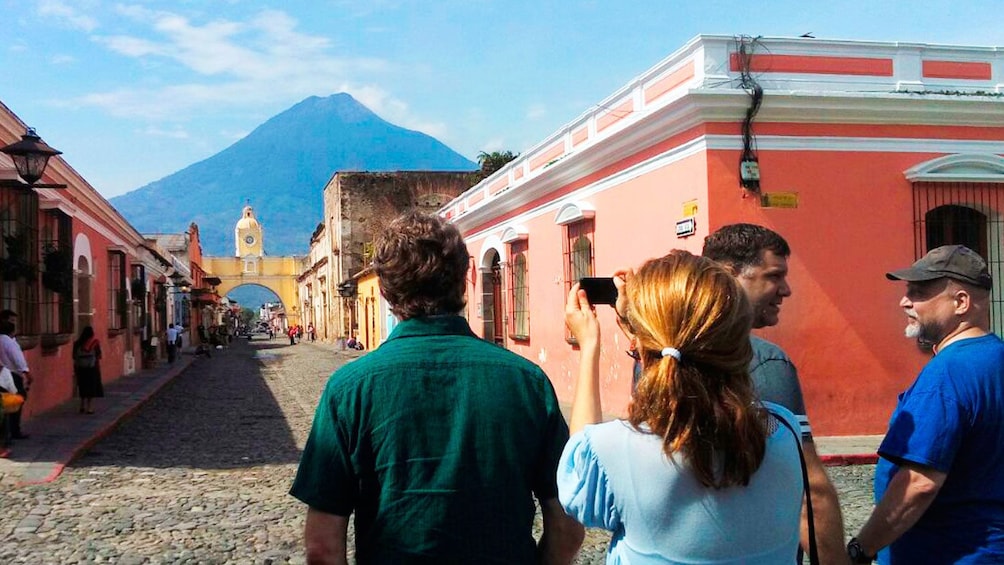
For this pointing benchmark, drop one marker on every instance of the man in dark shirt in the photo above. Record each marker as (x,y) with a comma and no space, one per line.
(758,258)
(438,441)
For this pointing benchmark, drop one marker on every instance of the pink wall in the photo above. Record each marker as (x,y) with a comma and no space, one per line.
(623,237)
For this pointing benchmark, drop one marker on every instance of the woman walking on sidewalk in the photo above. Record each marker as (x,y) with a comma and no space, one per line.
(87,369)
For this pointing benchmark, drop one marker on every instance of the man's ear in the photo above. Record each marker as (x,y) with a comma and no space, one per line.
(963,301)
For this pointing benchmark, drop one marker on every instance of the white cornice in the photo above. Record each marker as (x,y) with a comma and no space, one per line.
(959,168)
(709,105)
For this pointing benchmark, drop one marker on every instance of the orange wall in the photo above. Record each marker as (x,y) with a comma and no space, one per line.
(842,326)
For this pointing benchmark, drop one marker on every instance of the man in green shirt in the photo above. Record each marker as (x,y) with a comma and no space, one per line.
(437,440)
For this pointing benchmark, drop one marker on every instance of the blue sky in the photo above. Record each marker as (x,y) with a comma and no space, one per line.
(133,91)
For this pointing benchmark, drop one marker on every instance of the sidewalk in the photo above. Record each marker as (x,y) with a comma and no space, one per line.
(835,451)
(62,434)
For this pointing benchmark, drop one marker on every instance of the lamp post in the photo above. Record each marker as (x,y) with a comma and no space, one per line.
(31,156)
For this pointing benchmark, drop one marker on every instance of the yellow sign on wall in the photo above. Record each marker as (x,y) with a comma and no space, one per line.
(689,209)
(779,200)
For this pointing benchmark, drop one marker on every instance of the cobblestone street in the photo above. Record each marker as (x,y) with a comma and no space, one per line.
(201,473)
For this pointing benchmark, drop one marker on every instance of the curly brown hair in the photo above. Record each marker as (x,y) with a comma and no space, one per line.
(702,405)
(422,264)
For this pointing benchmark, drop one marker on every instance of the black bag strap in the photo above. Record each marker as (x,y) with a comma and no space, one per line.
(813,551)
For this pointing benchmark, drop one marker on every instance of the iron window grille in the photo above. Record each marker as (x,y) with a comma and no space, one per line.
(19,256)
(117,297)
(964,213)
(519,289)
(56,304)
(578,256)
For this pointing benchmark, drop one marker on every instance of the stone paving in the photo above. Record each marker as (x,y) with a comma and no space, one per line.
(200,474)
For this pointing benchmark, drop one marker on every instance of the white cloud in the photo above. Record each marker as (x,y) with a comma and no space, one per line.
(261,61)
(67,15)
(175,133)
(62,59)
(536,112)
(494,144)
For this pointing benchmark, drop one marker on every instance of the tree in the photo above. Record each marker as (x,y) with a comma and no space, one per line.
(491,162)
(247,315)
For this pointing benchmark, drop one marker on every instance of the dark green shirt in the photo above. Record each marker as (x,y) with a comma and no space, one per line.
(436,441)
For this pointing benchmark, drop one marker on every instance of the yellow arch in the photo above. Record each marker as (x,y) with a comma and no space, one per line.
(277,274)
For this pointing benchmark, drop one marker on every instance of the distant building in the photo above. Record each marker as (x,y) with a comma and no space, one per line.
(250,266)
(863,154)
(249,235)
(357,205)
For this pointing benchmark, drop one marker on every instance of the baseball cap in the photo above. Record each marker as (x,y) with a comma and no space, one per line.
(948,261)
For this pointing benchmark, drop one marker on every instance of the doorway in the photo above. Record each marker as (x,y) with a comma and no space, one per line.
(492,309)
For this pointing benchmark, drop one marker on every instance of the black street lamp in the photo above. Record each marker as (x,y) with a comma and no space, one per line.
(30,155)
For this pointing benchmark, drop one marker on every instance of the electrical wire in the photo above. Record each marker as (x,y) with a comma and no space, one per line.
(745,47)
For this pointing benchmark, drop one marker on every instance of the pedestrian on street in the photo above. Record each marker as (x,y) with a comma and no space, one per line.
(311,332)
(696,407)
(292,335)
(172,343)
(13,358)
(87,369)
(939,491)
(437,440)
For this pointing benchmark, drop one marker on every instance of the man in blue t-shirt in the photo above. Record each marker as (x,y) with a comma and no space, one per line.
(938,486)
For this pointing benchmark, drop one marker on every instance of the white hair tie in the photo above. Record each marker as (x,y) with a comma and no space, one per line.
(671,352)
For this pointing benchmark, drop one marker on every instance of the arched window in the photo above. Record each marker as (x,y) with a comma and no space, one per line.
(520,290)
(952,224)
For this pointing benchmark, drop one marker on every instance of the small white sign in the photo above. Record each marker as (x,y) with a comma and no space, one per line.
(686,226)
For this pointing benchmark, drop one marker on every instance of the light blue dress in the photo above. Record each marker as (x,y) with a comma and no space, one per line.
(614,477)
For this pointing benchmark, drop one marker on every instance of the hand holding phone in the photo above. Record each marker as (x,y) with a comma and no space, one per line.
(599,290)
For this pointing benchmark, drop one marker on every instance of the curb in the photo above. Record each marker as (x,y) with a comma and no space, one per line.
(108,428)
(844,460)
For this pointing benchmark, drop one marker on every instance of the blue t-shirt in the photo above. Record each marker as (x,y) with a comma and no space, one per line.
(952,420)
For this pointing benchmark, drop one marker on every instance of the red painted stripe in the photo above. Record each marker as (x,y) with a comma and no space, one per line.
(814,64)
(957,69)
(498,185)
(894,131)
(669,82)
(556,150)
(623,110)
(849,459)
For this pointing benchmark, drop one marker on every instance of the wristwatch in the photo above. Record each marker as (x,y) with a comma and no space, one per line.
(857,554)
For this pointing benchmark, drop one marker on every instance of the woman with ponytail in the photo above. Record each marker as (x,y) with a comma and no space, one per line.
(700,471)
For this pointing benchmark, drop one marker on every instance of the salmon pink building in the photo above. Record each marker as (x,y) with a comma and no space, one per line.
(864,155)
(68,260)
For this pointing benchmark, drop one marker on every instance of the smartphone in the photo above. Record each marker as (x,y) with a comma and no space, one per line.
(599,290)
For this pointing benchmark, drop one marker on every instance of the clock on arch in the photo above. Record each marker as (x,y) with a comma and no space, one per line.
(249,239)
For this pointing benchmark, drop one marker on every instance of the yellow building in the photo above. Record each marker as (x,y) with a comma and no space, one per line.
(375,319)
(251,266)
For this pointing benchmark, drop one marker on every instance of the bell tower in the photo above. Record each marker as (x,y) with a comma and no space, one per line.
(248,235)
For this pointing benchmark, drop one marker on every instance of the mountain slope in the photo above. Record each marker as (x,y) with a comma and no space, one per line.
(281,169)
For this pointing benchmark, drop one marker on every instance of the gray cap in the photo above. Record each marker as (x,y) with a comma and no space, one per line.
(948,261)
